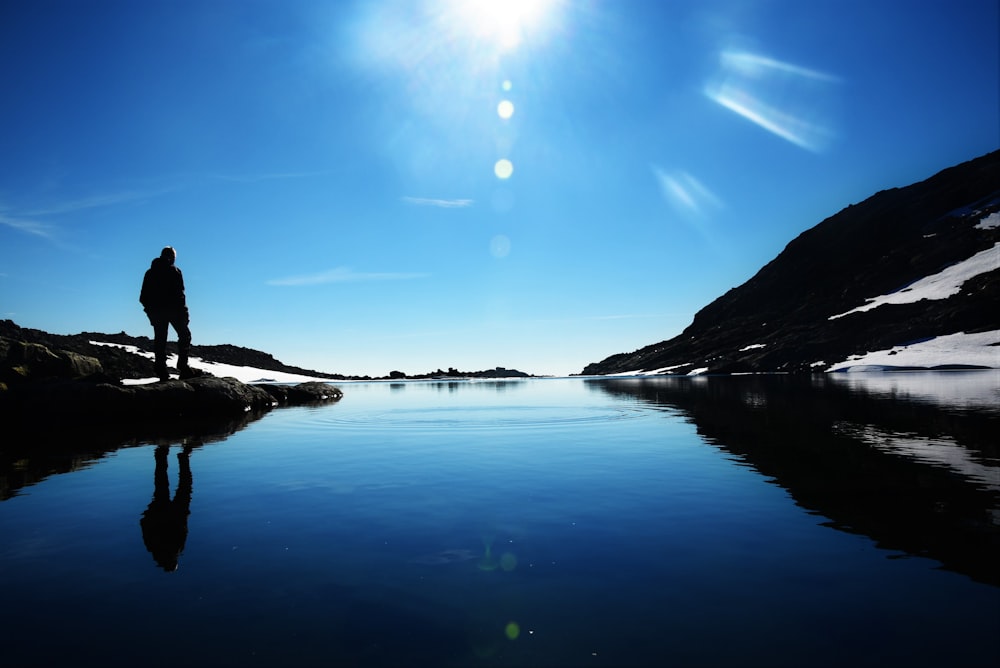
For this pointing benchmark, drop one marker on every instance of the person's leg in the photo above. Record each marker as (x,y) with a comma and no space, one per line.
(160,347)
(180,324)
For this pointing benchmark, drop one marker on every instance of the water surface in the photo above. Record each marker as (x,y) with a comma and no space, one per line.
(556,522)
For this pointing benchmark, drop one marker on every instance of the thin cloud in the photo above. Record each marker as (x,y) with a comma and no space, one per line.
(273,176)
(28,226)
(689,196)
(439,203)
(26,219)
(94,202)
(792,102)
(344,275)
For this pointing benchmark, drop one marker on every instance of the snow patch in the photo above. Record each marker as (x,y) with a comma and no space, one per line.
(941,285)
(752,346)
(980,349)
(653,372)
(244,374)
(989,222)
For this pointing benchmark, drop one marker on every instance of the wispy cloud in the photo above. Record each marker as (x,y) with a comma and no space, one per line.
(689,196)
(94,202)
(439,203)
(793,102)
(344,275)
(268,176)
(28,226)
(26,219)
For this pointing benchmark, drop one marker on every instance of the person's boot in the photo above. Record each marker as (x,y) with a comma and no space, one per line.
(161,373)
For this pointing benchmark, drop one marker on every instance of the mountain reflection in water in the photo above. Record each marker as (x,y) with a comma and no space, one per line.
(908,459)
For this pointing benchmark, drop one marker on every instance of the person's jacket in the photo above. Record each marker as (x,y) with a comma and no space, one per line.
(162,287)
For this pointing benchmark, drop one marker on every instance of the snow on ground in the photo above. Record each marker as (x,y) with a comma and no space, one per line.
(989,222)
(982,349)
(941,285)
(653,372)
(243,374)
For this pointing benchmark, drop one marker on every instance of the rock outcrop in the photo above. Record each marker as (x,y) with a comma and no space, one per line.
(44,389)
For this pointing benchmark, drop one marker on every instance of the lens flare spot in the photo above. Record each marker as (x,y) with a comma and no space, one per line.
(505,109)
(506,85)
(512,630)
(500,246)
(503,168)
(508,561)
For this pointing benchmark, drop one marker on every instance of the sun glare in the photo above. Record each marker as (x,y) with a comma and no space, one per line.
(503,22)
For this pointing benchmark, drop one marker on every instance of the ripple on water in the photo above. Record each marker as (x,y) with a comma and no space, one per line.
(476,418)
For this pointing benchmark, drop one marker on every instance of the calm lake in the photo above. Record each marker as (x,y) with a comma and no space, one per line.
(732,521)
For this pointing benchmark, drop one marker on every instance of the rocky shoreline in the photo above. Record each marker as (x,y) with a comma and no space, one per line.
(43,389)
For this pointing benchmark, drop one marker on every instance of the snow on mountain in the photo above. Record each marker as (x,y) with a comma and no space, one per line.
(980,349)
(941,285)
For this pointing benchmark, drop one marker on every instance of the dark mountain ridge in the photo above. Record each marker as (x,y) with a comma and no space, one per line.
(780,320)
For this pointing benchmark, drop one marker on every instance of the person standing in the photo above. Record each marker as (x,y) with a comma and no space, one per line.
(162,298)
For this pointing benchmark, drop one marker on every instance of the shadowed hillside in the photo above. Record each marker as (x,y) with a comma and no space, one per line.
(781,319)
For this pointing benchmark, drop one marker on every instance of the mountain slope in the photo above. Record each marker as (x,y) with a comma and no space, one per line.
(782,319)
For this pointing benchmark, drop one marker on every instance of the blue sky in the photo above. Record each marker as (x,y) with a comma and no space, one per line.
(360,187)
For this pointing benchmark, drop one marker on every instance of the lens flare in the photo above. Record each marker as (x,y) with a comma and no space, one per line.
(499,248)
(503,169)
(508,561)
(505,109)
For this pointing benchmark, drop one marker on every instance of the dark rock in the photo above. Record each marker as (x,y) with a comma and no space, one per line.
(44,389)
(120,363)
(21,361)
(303,393)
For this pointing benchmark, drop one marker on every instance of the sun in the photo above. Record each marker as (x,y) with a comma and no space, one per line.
(505,23)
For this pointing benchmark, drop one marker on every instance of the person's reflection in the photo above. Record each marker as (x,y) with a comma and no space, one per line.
(164,523)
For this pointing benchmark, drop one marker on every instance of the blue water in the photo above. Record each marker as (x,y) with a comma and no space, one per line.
(550,522)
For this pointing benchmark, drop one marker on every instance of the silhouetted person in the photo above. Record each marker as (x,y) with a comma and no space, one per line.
(164,523)
(162,297)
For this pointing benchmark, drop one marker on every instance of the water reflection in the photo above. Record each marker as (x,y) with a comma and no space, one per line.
(452,386)
(28,458)
(165,521)
(915,475)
